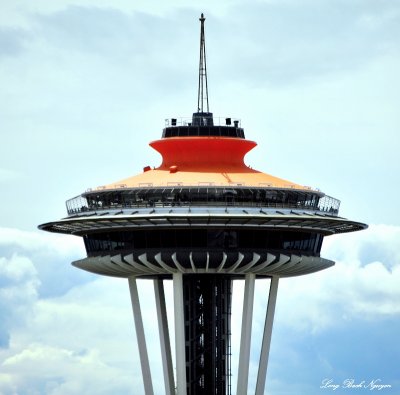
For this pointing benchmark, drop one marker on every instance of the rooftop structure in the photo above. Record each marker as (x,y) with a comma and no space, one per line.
(203,218)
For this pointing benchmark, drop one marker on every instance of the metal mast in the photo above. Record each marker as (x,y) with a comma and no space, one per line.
(202,97)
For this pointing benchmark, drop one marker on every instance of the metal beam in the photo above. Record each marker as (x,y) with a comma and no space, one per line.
(179,334)
(164,337)
(266,342)
(245,340)
(141,340)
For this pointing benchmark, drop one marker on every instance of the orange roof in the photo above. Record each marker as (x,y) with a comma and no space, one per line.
(163,178)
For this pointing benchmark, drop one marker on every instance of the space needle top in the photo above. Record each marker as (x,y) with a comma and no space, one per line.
(203,170)
(203,218)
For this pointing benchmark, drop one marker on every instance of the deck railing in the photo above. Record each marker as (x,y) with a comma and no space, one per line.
(80,204)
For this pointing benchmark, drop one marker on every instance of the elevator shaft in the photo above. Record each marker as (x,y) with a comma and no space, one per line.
(207,313)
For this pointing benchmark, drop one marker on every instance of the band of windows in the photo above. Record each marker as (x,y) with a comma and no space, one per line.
(227,239)
(222,131)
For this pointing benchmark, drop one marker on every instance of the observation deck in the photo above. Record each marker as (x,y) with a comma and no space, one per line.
(203,211)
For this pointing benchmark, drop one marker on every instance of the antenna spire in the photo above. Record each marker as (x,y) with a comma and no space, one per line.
(202,97)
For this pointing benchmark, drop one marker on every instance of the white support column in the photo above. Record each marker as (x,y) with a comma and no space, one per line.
(245,340)
(164,337)
(141,340)
(179,334)
(266,342)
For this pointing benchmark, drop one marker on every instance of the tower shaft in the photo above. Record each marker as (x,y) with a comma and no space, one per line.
(207,314)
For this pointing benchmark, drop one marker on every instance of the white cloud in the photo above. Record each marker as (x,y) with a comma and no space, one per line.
(359,286)
(36,241)
(82,346)
(17,269)
(18,293)
(47,252)
(80,341)
(377,243)
(43,369)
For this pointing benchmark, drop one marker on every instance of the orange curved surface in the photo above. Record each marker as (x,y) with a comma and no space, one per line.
(203,161)
(206,154)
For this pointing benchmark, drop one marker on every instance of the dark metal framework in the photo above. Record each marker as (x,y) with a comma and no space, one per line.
(207,333)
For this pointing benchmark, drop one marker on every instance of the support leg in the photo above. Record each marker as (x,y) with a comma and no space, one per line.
(266,342)
(245,340)
(143,355)
(164,337)
(179,334)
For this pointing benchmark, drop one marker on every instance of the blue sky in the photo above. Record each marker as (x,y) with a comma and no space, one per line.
(85,85)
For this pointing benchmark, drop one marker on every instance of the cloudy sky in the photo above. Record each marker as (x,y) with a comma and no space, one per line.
(85,85)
